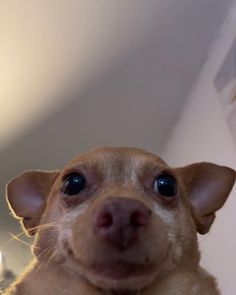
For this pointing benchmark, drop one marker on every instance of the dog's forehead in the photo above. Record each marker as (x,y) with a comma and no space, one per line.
(114,161)
(123,155)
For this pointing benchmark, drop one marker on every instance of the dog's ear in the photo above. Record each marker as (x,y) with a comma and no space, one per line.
(27,194)
(207,186)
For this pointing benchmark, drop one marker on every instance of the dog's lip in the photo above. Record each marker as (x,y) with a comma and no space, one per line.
(121,269)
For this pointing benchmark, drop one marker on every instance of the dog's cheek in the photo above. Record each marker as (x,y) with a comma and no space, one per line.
(82,239)
(173,225)
(70,234)
(183,239)
(51,239)
(175,248)
(44,245)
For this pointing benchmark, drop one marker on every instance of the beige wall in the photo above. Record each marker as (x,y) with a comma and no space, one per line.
(202,134)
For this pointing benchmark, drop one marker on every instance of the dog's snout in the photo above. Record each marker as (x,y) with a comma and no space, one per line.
(119,221)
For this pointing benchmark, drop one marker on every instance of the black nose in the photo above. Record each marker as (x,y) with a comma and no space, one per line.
(120,221)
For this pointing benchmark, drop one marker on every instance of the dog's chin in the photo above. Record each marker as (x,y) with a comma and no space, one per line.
(120,276)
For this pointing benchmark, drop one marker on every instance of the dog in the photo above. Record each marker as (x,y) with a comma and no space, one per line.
(118,221)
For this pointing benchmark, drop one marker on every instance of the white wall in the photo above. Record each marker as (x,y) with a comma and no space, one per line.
(202,134)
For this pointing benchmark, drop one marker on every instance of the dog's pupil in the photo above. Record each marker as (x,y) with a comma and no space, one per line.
(74,184)
(166,185)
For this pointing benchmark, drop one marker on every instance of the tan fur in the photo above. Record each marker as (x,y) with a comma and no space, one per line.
(69,259)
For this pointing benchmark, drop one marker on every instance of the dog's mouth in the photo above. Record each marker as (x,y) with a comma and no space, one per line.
(121,276)
(116,268)
(121,269)
(118,273)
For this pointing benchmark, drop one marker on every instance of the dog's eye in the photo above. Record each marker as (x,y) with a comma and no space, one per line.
(74,184)
(165,185)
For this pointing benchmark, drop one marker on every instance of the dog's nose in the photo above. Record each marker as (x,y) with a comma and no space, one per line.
(119,221)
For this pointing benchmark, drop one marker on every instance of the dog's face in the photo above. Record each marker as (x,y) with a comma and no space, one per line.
(120,217)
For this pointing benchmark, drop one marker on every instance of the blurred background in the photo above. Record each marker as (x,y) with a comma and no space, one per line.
(152,74)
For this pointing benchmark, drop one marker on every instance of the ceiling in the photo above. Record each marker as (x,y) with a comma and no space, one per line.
(79,74)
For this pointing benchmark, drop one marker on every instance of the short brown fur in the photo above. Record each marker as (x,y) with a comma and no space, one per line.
(161,257)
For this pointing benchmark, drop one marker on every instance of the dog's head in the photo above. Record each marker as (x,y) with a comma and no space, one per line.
(120,217)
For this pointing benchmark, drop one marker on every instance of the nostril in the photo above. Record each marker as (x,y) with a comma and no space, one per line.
(139,218)
(104,219)
(120,222)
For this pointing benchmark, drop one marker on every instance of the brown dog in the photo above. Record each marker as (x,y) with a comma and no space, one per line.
(118,221)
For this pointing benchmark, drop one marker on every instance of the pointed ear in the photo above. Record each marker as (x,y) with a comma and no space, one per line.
(207,186)
(27,194)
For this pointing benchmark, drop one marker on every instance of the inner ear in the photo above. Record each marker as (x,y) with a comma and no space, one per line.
(207,187)
(27,195)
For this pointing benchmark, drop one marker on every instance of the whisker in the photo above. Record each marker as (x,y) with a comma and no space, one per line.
(45,226)
(51,257)
(14,237)
(48,249)
(22,233)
